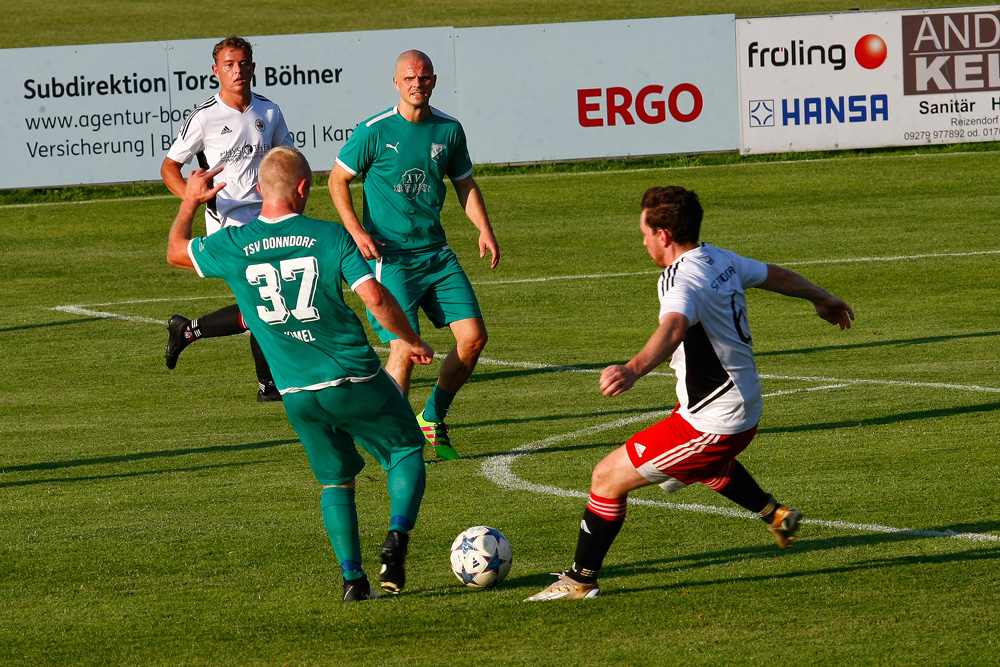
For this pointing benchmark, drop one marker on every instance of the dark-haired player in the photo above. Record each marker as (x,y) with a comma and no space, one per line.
(704,331)
(232,129)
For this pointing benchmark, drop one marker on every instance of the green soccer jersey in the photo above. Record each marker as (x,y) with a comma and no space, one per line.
(404,165)
(286,275)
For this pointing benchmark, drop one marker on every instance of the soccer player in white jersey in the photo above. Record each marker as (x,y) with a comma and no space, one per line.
(704,331)
(232,129)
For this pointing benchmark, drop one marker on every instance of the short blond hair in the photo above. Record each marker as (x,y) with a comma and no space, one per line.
(281,170)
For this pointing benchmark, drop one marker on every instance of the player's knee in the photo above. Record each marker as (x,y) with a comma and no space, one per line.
(474,342)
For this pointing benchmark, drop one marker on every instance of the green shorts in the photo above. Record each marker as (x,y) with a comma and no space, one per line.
(431,281)
(374,414)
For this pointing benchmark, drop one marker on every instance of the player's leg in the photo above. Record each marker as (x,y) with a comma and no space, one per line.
(267,392)
(612,480)
(182,331)
(736,484)
(384,426)
(457,367)
(224,322)
(450,301)
(399,364)
(335,463)
(402,279)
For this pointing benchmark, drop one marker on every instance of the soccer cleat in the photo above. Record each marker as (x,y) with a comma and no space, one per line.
(436,434)
(784,524)
(359,589)
(179,337)
(393,575)
(566,588)
(267,393)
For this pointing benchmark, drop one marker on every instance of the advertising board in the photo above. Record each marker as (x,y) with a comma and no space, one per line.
(869,79)
(107,113)
(602,89)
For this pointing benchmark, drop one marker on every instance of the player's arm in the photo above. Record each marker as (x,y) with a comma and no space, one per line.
(386,310)
(660,346)
(340,191)
(471,199)
(831,308)
(198,190)
(170,172)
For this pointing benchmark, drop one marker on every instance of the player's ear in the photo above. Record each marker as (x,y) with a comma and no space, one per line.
(259,191)
(303,188)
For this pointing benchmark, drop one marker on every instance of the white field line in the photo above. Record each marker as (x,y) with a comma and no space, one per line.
(565,174)
(845,260)
(85,309)
(498,470)
(88,201)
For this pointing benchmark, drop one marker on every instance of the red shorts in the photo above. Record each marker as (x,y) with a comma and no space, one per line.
(673,454)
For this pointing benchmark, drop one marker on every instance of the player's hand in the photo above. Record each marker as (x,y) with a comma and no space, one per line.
(421,353)
(199,188)
(488,241)
(617,379)
(367,244)
(835,311)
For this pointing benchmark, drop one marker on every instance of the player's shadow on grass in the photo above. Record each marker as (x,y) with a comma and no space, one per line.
(482,375)
(916,415)
(126,475)
(605,447)
(143,456)
(27,327)
(878,343)
(589,415)
(726,557)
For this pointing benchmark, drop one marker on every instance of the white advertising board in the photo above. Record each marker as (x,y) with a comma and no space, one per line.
(869,79)
(108,113)
(601,89)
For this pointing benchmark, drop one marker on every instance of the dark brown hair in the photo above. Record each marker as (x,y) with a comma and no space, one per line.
(674,209)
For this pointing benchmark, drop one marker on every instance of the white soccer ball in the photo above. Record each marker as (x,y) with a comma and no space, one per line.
(481,557)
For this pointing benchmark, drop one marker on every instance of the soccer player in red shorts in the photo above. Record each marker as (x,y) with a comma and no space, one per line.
(704,331)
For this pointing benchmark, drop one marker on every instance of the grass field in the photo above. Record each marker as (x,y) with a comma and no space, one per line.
(58,22)
(163,517)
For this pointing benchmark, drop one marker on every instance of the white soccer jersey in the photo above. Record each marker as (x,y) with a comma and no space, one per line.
(218,134)
(717,382)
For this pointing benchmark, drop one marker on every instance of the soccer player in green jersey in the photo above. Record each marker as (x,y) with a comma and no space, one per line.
(285,270)
(404,155)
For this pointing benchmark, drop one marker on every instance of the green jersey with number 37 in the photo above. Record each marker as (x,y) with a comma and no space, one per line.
(286,275)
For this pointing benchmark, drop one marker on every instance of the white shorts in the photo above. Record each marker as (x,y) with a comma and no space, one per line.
(214,221)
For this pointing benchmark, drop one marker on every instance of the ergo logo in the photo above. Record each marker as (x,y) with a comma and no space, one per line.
(648,105)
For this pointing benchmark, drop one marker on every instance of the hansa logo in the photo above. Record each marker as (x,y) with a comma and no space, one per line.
(761,113)
(826,110)
(869,52)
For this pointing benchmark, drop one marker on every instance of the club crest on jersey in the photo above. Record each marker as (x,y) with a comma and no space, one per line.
(412,183)
(437,151)
(639,449)
(259,124)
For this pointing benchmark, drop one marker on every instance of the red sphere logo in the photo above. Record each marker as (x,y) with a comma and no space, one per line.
(870,51)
